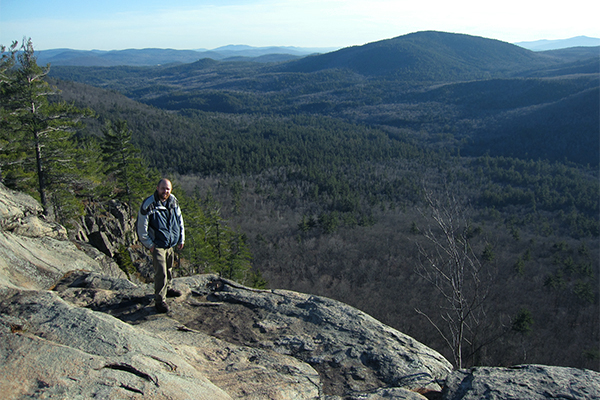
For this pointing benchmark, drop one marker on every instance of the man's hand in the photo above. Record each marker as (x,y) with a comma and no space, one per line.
(180,246)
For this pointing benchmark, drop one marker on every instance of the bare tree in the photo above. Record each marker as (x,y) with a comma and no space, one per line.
(449,263)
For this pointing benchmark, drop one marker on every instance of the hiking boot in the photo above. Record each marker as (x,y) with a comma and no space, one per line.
(173,292)
(161,307)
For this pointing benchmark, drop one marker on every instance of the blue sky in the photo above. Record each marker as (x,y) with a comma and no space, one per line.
(186,24)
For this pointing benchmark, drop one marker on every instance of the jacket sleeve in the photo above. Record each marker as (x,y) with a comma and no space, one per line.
(181,227)
(142,227)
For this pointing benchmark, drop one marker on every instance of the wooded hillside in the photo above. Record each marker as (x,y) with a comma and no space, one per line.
(324,164)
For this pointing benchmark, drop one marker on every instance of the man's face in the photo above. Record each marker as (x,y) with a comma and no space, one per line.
(164,190)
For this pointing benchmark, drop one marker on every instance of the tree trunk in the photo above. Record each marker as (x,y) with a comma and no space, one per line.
(40,173)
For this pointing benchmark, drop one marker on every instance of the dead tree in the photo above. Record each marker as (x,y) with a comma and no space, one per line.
(448,262)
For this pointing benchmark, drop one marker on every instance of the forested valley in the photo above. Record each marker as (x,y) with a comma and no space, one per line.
(441,183)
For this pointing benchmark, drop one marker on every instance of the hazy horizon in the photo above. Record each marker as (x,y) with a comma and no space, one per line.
(200,24)
(532,44)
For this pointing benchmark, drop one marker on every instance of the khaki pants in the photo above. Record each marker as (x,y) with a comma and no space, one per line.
(162,259)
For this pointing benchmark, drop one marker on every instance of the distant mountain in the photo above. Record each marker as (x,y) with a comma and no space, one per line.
(414,52)
(542,45)
(428,56)
(152,57)
(133,57)
(486,91)
(249,51)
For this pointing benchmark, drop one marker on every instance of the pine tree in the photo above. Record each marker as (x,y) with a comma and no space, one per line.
(41,132)
(212,246)
(10,153)
(123,164)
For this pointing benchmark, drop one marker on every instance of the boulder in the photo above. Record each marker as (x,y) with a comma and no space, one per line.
(531,382)
(108,227)
(101,241)
(35,253)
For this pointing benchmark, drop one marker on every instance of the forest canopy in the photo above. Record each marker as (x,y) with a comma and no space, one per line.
(319,171)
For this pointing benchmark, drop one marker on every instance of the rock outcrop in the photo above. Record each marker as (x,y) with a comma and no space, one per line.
(351,351)
(35,253)
(108,227)
(73,326)
(532,382)
(52,349)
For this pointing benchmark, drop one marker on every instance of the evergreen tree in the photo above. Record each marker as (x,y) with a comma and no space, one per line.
(123,164)
(10,154)
(212,246)
(42,131)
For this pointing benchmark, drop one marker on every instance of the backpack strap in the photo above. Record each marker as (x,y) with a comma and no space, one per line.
(146,211)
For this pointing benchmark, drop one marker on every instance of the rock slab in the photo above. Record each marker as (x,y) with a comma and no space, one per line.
(531,382)
(351,350)
(51,349)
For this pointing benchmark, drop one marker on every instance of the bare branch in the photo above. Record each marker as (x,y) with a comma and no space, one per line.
(449,263)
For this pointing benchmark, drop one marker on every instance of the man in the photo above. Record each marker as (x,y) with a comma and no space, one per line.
(160,229)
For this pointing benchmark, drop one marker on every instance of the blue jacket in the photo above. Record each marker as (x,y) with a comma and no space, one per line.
(160,225)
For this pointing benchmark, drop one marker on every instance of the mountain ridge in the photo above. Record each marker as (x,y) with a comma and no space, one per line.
(382,75)
(242,52)
(158,56)
(545,44)
(427,55)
